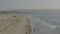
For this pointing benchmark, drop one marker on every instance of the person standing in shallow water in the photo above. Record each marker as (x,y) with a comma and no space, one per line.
(36,28)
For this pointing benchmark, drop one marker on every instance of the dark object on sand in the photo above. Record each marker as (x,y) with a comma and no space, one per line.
(14,16)
(3,20)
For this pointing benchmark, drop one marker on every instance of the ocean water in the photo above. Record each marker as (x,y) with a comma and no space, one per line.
(41,27)
(44,17)
(45,23)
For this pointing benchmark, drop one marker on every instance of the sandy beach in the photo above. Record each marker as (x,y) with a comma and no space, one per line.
(14,24)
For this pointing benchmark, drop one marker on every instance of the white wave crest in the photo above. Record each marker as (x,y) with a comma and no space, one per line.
(34,21)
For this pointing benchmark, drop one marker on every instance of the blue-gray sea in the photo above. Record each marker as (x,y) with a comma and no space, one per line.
(45,22)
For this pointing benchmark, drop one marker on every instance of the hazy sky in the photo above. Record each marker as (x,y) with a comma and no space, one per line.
(29,4)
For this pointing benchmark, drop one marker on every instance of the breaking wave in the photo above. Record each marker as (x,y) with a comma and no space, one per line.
(39,25)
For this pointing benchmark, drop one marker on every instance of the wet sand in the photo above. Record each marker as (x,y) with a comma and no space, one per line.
(14,24)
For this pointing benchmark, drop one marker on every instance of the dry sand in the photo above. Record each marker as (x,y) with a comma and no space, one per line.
(14,24)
